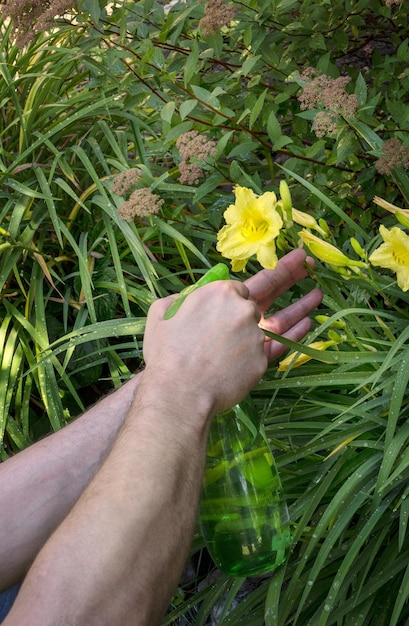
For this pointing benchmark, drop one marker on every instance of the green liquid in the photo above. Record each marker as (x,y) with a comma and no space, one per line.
(243,517)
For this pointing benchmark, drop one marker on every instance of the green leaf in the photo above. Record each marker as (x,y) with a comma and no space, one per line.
(363,130)
(178,130)
(243,148)
(361,90)
(167,111)
(273,128)
(191,66)
(248,64)
(403,51)
(257,108)
(346,145)
(205,96)
(187,107)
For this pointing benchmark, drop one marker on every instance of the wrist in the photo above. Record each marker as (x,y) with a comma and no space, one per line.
(173,401)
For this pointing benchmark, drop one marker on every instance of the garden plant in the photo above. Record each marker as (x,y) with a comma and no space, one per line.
(141,143)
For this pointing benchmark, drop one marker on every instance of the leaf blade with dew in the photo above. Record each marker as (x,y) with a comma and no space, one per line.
(48,384)
(87,111)
(131,235)
(348,563)
(117,265)
(314,496)
(8,340)
(392,441)
(352,491)
(49,199)
(172,232)
(401,599)
(98,331)
(36,348)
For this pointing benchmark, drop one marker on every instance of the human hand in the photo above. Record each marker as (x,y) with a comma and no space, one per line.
(212,351)
(293,321)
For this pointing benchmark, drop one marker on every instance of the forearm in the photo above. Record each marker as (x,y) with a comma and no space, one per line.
(39,486)
(122,548)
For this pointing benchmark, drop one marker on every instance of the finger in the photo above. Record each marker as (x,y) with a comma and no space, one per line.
(239,287)
(274,349)
(285,319)
(267,285)
(257,314)
(159,307)
(242,290)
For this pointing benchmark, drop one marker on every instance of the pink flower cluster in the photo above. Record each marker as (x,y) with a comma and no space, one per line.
(218,13)
(194,150)
(330,94)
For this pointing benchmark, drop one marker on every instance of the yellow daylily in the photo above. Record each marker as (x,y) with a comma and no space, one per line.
(327,252)
(393,254)
(252,225)
(293,361)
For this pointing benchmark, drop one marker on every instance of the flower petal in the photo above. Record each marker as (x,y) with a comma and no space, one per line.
(393,254)
(232,243)
(238,265)
(267,256)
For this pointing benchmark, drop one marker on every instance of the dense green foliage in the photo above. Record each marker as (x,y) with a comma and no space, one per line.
(107,91)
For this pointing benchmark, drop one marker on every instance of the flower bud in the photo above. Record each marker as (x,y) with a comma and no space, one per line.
(403,218)
(321,319)
(286,200)
(327,252)
(304,219)
(323,224)
(295,361)
(358,249)
(307,221)
(285,195)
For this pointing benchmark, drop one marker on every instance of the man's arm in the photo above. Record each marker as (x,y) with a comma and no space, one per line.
(117,557)
(39,486)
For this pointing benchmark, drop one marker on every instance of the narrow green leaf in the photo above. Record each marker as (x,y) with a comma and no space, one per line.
(273,128)
(191,65)
(257,108)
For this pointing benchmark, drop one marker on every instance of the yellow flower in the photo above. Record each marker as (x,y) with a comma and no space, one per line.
(393,254)
(293,361)
(252,224)
(327,252)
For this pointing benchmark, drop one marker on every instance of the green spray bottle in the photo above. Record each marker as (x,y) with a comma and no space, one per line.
(243,515)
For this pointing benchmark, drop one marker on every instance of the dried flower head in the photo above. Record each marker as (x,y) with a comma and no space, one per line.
(29,18)
(391,3)
(142,202)
(124,181)
(218,13)
(330,94)
(394,154)
(194,150)
(325,124)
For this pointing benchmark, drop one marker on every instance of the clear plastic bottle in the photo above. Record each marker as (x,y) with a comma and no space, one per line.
(243,515)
